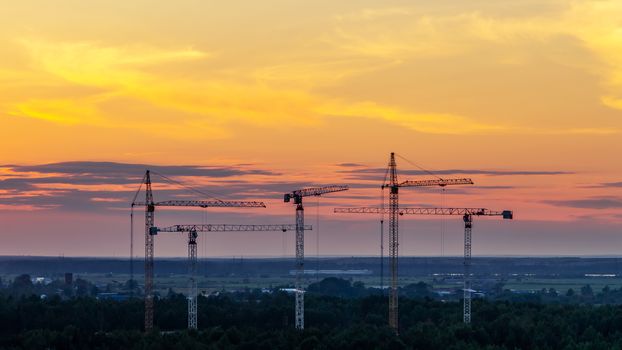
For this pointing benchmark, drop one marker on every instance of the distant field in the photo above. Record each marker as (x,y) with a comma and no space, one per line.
(178,282)
(563,284)
(522,274)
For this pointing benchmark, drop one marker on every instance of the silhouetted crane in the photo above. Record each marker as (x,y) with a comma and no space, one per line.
(393,185)
(150,205)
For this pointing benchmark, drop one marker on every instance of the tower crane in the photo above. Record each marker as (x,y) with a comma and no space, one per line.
(150,205)
(300,241)
(192,231)
(467,216)
(393,186)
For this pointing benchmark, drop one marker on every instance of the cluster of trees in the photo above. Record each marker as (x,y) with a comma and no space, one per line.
(23,285)
(583,295)
(338,314)
(339,287)
(256,320)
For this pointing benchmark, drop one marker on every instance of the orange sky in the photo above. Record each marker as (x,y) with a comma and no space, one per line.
(524,97)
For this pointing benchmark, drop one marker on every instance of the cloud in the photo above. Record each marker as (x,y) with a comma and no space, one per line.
(203,107)
(590,203)
(603,185)
(378,173)
(222,101)
(368,14)
(125,169)
(91,63)
(433,123)
(350,165)
(83,185)
(498,36)
(190,92)
(611,184)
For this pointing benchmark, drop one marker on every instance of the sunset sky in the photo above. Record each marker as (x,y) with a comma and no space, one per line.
(252,99)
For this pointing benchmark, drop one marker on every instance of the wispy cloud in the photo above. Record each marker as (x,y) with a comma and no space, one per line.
(104,83)
(589,203)
(611,184)
(350,165)
(370,172)
(89,186)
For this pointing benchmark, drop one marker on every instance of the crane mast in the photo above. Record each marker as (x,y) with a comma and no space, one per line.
(466,303)
(192,283)
(300,242)
(300,257)
(149,251)
(393,242)
(192,231)
(151,231)
(467,216)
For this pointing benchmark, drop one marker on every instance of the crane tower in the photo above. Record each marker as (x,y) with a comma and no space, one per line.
(393,185)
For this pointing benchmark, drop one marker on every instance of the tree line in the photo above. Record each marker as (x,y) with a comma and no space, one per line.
(339,315)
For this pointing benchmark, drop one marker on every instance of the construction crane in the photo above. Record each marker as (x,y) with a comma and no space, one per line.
(300,241)
(150,205)
(192,231)
(393,186)
(467,216)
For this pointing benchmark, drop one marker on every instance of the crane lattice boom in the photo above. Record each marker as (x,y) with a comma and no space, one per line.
(439,182)
(205,204)
(230,228)
(313,191)
(507,214)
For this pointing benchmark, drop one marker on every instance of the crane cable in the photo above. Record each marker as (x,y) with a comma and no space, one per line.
(384,184)
(206,193)
(139,188)
(443,222)
(284,243)
(420,167)
(386,174)
(132,251)
(204,246)
(132,235)
(317,239)
(382,240)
